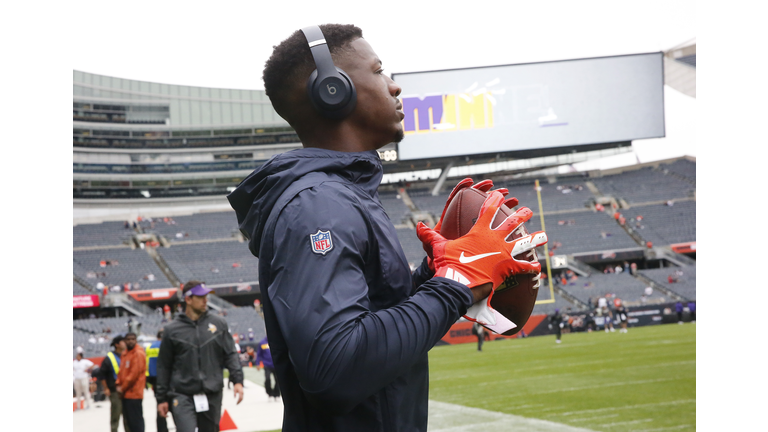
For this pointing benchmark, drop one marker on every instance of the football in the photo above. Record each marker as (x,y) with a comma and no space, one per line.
(516,297)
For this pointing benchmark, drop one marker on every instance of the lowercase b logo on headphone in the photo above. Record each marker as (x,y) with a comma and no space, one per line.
(330,89)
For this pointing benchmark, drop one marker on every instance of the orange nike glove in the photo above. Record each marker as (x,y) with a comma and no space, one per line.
(483,256)
(484,186)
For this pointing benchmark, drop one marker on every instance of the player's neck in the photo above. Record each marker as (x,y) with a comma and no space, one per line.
(343,137)
(192,314)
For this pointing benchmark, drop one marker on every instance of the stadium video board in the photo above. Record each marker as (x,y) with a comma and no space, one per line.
(531,106)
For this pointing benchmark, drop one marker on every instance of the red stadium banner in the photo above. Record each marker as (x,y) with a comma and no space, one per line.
(155,294)
(85,301)
(689,247)
(461,332)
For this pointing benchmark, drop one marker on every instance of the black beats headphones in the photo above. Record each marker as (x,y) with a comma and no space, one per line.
(330,90)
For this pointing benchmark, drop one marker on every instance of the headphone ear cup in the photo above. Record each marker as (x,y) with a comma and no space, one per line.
(333,96)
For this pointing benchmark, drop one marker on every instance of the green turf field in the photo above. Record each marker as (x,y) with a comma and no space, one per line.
(641,380)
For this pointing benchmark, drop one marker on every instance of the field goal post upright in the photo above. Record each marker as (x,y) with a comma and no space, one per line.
(546,252)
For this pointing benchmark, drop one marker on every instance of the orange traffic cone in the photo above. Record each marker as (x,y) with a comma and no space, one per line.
(226,422)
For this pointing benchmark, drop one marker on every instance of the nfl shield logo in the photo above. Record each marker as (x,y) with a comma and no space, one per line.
(321,242)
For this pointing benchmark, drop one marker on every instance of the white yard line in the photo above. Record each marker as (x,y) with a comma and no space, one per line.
(625,407)
(447,417)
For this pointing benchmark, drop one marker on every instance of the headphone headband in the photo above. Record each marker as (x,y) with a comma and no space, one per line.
(330,90)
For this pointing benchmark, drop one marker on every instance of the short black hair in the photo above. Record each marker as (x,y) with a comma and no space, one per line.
(116,340)
(129,334)
(189,285)
(292,60)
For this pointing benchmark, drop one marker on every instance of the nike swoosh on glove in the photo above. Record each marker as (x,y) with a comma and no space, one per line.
(483,256)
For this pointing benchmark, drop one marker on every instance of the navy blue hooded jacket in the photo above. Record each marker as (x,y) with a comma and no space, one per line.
(349,327)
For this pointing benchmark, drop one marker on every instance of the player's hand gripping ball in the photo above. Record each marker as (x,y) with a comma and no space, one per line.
(516,296)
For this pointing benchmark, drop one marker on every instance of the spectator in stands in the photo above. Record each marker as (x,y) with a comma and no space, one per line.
(250,334)
(152,352)
(264,359)
(130,383)
(108,371)
(195,349)
(81,373)
(167,311)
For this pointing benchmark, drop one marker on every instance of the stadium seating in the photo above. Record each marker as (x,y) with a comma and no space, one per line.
(685,285)
(133,266)
(414,251)
(201,226)
(582,232)
(589,288)
(549,308)
(394,206)
(662,224)
(78,289)
(90,333)
(566,194)
(223,262)
(101,234)
(689,60)
(683,167)
(644,185)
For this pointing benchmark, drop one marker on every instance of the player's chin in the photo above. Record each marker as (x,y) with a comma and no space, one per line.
(399,134)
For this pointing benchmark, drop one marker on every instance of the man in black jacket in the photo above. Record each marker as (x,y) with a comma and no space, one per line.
(556,324)
(195,349)
(349,325)
(110,366)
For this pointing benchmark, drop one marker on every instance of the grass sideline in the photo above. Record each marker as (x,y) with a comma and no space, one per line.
(641,380)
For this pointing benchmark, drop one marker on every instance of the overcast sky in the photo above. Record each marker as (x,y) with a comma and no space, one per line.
(226,45)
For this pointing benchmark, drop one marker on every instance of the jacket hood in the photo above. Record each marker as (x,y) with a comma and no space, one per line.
(254,197)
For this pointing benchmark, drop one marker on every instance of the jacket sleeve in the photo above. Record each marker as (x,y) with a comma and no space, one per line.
(231,359)
(164,364)
(322,307)
(103,371)
(137,367)
(421,275)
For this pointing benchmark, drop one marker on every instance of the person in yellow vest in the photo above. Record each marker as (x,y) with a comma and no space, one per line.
(152,352)
(108,371)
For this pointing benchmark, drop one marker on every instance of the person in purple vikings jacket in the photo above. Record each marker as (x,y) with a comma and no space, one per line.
(264,358)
